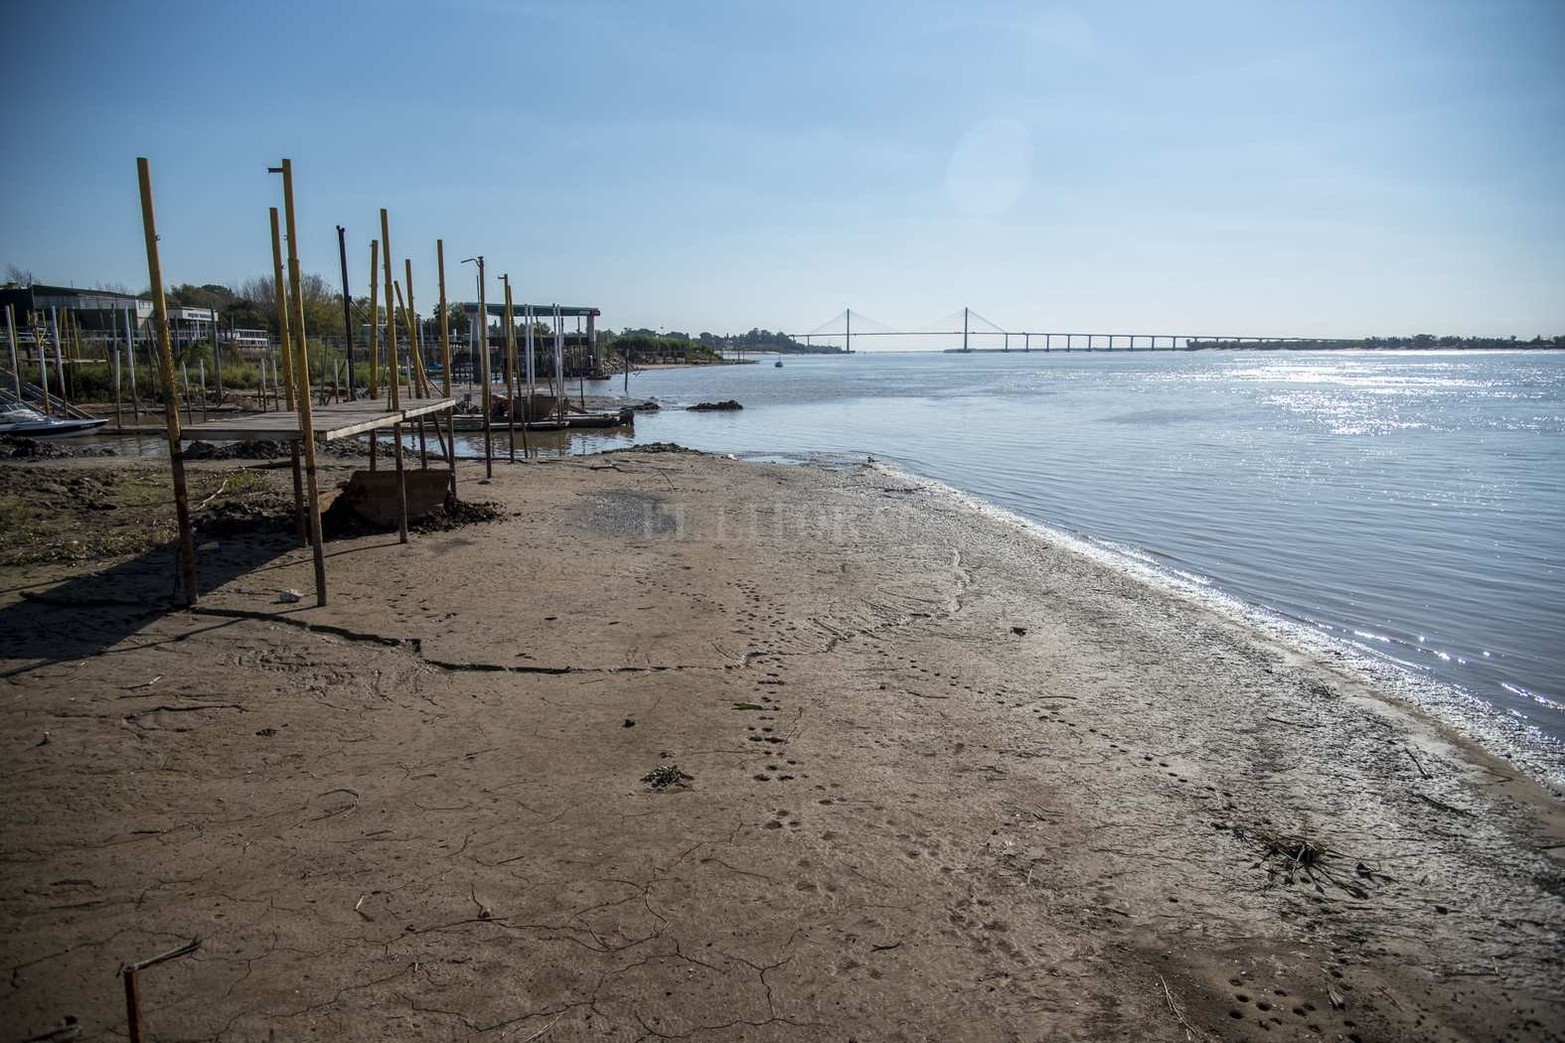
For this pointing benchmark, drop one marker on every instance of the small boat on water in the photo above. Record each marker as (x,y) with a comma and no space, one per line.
(17,419)
(778,363)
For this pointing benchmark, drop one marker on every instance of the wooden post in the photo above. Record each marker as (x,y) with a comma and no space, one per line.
(302,394)
(59,356)
(114,358)
(374,390)
(530,363)
(393,361)
(445,319)
(285,344)
(510,365)
(132,978)
(131,972)
(347,308)
(420,378)
(176,454)
(130,354)
(394,378)
(374,318)
(284,339)
(450,445)
(16,366)
(415,373)
(483,358)
(217,357)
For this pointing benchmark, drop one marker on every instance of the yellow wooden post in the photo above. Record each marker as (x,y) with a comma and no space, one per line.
(415,372)
(374,319)
(445,320)
(419,378)
(395,376)
(374,339)
(283,323)
(302,391)
(392,359)
(510,364)
(176,456)
(285,341)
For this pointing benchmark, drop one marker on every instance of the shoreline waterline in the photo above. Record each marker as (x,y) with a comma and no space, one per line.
(1540,755)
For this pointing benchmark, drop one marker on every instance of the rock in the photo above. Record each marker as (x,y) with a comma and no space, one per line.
(727,405)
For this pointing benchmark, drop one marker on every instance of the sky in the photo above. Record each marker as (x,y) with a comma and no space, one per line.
(1197,168)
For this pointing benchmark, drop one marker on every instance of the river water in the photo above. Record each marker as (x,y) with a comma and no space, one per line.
(1408,504)
(1405,507)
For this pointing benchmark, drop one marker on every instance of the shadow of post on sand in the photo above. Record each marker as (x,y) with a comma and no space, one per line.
(84,614)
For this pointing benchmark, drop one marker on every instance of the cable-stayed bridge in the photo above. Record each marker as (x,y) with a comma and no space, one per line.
(970,326)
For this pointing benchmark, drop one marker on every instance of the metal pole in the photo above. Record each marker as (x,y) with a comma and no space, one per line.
(302,397)
(176,456)
(347,308)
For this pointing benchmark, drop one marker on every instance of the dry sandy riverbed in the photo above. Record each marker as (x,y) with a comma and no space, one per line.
(939,779)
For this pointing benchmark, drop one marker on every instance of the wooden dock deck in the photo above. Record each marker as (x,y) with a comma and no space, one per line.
(327,422)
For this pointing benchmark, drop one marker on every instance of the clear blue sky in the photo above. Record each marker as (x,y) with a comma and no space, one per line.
(1313,168)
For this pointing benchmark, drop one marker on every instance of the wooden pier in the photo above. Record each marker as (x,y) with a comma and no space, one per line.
(340,420)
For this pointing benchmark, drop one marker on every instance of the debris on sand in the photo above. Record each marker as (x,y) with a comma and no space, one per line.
(462,512)
(653,447)
(1296,858)
(666,777)
(20,447)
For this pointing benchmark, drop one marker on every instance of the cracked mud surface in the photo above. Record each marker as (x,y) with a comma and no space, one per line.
(946,781)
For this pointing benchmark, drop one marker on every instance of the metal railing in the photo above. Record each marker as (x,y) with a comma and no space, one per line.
(34,396)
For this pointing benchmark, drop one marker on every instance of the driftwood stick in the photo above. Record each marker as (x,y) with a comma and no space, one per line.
(1416,763)
(1169,996)
(131,972)
(174,953)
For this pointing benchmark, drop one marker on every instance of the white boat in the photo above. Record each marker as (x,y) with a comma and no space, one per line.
(17,419)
